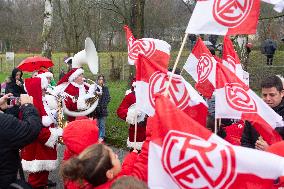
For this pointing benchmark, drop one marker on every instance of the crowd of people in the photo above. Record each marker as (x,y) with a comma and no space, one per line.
(30,112)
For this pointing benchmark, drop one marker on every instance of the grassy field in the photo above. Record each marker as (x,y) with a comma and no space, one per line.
(116,129)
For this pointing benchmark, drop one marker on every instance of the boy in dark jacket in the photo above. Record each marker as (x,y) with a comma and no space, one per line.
(272,93)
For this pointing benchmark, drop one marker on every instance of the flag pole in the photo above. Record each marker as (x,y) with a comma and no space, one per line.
(176,62)
(215,128)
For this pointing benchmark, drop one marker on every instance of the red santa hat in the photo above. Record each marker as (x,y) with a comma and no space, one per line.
(78,135)
(33,87)
(44,73)
(71,75)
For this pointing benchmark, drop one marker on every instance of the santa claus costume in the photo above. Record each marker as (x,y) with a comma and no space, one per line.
(75,94)
(127,112)
(49,76)
(40,157)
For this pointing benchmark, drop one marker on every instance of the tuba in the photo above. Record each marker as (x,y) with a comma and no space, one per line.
(87,56)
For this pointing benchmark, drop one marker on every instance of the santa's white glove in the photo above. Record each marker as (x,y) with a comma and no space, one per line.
(59,131)
(54,134)
(92,88)
(87,96)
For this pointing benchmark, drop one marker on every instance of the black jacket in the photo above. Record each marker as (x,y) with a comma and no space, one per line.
(12,87)
(250,135)
(14,135)
(101,109)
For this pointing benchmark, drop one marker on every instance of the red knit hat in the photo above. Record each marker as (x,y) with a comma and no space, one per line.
(33,87)
(71,75)
(80,134)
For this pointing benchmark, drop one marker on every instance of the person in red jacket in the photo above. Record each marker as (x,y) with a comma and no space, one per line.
(100,166)
(40,157)
(126,111)
(77,136)
(76,92)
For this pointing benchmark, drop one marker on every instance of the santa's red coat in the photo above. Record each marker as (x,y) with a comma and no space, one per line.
(37,156)
(73,91)
(122,113)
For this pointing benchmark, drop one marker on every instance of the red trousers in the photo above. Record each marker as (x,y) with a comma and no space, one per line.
(38,179)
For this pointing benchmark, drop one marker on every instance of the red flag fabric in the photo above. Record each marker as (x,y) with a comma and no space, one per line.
(224,17)
(201,65)
(234,99)
(231,59)
(151,79)
(183,154)
(155,49)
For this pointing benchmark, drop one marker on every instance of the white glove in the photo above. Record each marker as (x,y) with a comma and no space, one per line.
(59,131)
(92,88)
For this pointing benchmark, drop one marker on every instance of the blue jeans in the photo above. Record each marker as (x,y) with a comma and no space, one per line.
(101,125)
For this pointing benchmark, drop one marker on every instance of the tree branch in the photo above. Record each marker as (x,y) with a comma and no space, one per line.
(271,17)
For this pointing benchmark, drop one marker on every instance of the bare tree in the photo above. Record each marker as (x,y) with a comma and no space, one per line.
(46,31)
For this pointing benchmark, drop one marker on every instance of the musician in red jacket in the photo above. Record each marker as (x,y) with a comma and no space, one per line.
(40,157)
(126,111)
(76,92)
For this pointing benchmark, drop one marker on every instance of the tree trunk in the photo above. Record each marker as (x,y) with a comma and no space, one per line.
(65,29)
(136,24)
(46,31)
(137,18)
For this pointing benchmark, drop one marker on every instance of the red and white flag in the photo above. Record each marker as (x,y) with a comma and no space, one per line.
(223,17)
(152,79)
(279,4)
(236,100)
(231,59)
(201,65)
(155,49)
(183,154)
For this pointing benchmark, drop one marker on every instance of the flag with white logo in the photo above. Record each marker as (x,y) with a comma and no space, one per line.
(231,59)
(201,65)
(234,99)
(152,79)
(155,49)
(183,154)
(223,17)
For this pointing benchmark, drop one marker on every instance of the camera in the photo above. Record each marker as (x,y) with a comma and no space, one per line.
(12,100)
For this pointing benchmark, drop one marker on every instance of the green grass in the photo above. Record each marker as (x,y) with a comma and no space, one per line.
(116,129)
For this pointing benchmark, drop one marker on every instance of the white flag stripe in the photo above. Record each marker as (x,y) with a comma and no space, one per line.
(259,158)
(195,98)
(247,162)
(195,26)
(190,66)
(253,162)
(279,6)
(156,169)
(160,45)
(143,99)
(266,112)
(223,110)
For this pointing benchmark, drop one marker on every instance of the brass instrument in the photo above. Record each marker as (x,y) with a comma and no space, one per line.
(60,116)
